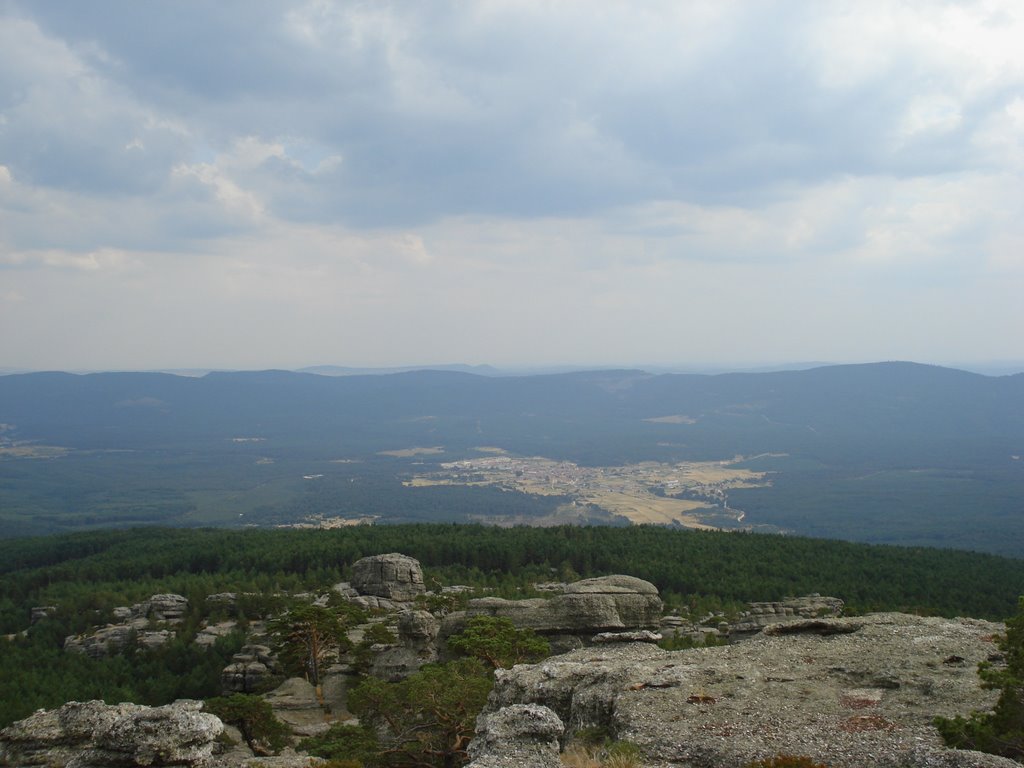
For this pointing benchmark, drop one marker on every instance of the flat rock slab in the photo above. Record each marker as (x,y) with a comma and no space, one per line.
(860,694)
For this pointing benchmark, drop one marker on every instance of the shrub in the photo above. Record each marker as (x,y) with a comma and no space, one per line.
(498,643)
(1000,732)
(344,744)
(253,717)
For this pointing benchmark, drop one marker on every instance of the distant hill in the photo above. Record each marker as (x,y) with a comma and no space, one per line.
(341,370)
(879,452)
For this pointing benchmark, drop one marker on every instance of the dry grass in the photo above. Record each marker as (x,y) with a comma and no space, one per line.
(650,509)
(582,756)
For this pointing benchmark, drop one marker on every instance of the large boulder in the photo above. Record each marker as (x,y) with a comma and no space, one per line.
(846,693)
(516,736)
(86,734)
(393,576)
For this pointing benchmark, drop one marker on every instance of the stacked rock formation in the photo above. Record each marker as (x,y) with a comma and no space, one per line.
(250,667)
(607,604)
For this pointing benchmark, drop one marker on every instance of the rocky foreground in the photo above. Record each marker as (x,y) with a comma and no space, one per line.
(857,692)
(849,693)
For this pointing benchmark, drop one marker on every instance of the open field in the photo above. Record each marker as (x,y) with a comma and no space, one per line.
(642,510)
(405,453)
(31,451)
(689,494)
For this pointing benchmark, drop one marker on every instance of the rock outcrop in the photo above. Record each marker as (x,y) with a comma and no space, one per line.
(517,736)
(135,622)
(169,608)
(114,638)
(295,703)
(393,576)
(762,615)
(417,635)
(87,734)
(572,618)
(40,612)
(847,693)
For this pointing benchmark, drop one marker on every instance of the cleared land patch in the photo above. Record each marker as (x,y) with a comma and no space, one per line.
(678,418)
(28,451)
(404,453)
(689,494)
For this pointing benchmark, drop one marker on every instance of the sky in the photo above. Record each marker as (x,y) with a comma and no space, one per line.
(248,184)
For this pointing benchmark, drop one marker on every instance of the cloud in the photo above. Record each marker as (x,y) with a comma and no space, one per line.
(449,179)
(514,109)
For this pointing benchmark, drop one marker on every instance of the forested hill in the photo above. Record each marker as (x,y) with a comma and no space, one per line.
(903,410)
(700,570)
(887,452)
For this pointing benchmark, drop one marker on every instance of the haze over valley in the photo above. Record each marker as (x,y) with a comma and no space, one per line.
(888,452)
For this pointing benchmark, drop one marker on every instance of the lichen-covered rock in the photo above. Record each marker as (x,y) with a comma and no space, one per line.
(87,734)
(864,698)
(517,736)
(393,576)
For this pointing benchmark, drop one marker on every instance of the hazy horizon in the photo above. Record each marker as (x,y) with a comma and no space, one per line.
(985,368)
(250,185)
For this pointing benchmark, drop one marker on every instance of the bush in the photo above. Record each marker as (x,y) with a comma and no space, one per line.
(428,718)
(496,642)
(353,744)
(253,717)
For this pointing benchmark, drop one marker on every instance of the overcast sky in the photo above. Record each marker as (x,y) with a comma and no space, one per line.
(279,184)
